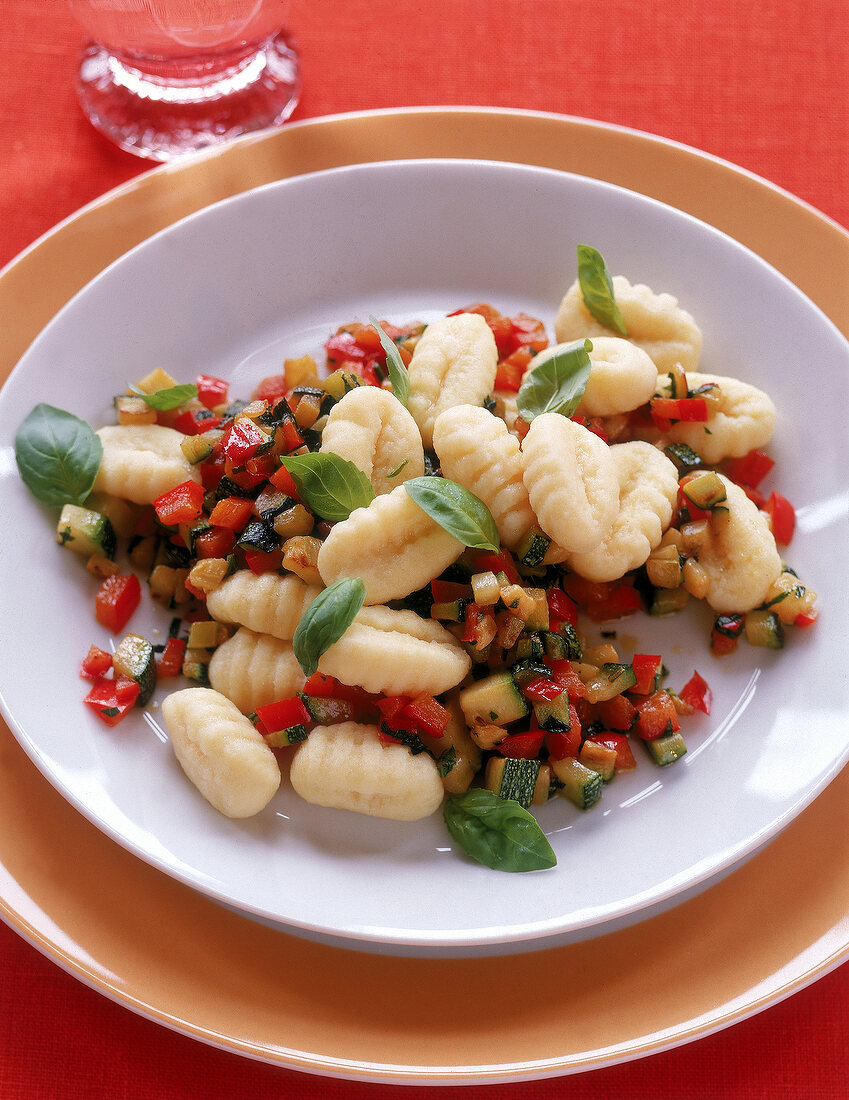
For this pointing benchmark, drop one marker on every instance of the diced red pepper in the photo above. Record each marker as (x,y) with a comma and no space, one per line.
(783,517)
(283,714)
(281,479)
(656,715)
(242,441)
(542,690)
(511,370)
(170,661)
(625,761)
(327,687)
(211,391)
(522,746)
(527,332)
(645,666)
(561,608)
(182,504)
(696,693)
(117,598)
(563,743)
(260,467)
(565,674)
(594,424)
(190,422)
(479,623)
(448,591)
(487,562)
(721,644)
(217,542)
(501,326)
(618,713)
(271,389)
(750,469)
(806,618)
(232,512)
(96,663)
(667,410)
(343,347)
(427,714)
(603,599)
(112,699)
(263,561)
(292,437)
(391,707)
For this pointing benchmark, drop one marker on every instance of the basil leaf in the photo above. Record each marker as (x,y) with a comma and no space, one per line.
(394,364)
(58,456)
(170,398)
(329,484)
(326,620)
(455,509)
(497,832)
(557,383)
(597,289)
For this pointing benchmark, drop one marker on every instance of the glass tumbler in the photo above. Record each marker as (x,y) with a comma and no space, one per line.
(165,78)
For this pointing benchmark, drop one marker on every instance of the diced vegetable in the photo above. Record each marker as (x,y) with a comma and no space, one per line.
(116,600)
(85,532)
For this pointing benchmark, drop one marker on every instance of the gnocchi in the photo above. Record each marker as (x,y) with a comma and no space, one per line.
(396,652)
(346,767)
(265,603)
(654,322)
(220,751)
(571,482)
(141,462)
(392,545)
(453,363)
(255,669)
(373,430)
(648,492)
(476,450)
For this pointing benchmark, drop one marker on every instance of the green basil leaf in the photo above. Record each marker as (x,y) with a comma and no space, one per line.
(58,456)
(394,364)
(455,509)
(557,383)
(329,484)
(326,620)
(597,289)
(170,398)
(497,832)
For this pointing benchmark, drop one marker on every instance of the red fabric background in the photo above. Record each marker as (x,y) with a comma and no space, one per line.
(764,85)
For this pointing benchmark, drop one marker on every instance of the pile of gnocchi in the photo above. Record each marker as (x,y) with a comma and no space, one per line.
(382,568)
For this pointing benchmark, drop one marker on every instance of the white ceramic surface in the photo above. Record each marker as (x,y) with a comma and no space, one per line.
(271,273)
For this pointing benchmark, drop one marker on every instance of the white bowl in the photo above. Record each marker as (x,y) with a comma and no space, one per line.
(270,274)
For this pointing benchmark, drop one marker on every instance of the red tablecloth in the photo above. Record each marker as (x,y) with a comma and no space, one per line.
(764,85)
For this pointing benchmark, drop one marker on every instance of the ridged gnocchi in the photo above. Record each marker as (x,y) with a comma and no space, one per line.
(648,493)
(453,363)
(392,545)
(346,767)
(476,450)
(266,603)
(571,482)
(371,428)
(743,420)
(396,652)
(739,554)
(655,322)
(254,669)
(622,377)
(141,462)
(221,752)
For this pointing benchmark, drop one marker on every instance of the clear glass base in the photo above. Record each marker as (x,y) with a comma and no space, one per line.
(164,111)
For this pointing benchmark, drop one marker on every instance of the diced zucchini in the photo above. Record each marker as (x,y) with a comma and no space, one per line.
(485,588)
(281,739)
(601,758)
(530,647)
(206,634)
(706,490)
(453,611)
(580,784)
(685,458)
(158,379)
(763,628)
(563,644)
(553,714)
(135,658)
(537,617)
(611,679)
(495,699)
(666,601)
(666,749)
(512,779)
(196,666)
(326,711)
(259,536)
(525,671)
(341,382)
(196,448)
(533,547)
(85,532)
